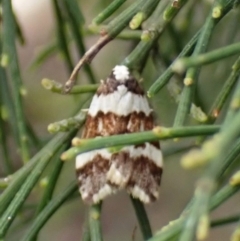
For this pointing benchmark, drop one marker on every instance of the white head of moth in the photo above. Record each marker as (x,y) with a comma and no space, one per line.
(121,73)
(119,106)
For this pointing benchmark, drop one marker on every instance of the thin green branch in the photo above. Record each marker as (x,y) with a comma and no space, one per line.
(190,81)
(224,221)
(216,151)
(230,159)
(142,218)
(76,12)
(20,176)
(20,197)
(236,234)
(168,14)
(51,183)
(184,105)
(48,211)
(61,35)
(181,64)
(111,31)
(175,227)
(9,49)
(57,87)
(76,25)
(192,74)
(52,180)
(19,32)
(86,232)
(7,108)
(120,22)
(222,195)
(159,133)
(223,95)
(143,14)
(138,56)
(234,106)
(94,222)
(168,73)
(126,34)
(67,124)
(194,159)
(35,141)
(225,91)
(108,11)
(6,160)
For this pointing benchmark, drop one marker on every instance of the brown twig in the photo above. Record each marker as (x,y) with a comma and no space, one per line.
(87,58)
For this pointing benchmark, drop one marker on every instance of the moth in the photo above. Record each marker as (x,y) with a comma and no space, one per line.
(118,107)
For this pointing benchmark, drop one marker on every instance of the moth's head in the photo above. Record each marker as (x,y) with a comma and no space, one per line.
(121,73)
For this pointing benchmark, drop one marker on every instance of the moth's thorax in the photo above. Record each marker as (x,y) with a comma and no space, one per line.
(120,80)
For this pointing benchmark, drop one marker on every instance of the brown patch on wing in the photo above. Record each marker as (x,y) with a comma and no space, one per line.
(112,124)
(140,171)
(154,143)
(120,169)
(147,176)
(92,177)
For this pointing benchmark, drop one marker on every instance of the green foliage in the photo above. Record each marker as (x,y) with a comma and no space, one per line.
(143,24)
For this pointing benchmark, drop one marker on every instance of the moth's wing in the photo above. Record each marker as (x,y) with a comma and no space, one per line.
(146,173)
(118,107)
(120,169)
(92,168)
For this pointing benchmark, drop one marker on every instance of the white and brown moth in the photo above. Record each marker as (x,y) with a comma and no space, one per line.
(118,107)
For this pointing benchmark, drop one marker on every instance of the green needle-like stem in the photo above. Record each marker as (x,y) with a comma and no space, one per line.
(48,211)
(94,222)
(234,107)
(76,23)
(168,73)
(7,162)
(167,233)
(9,49)
(181,64)
(86,232)
(111,31)
(225,91)
(126,34)
(159,133)
(142,218)
(67,124)
(61,33)
(107,12)
(20,176)
(190,80)
(137,58)
(224,221)
(216,151)
(21,195)
(57,87)
(192,74)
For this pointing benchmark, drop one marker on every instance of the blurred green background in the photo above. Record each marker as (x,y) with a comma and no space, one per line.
(42,107)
